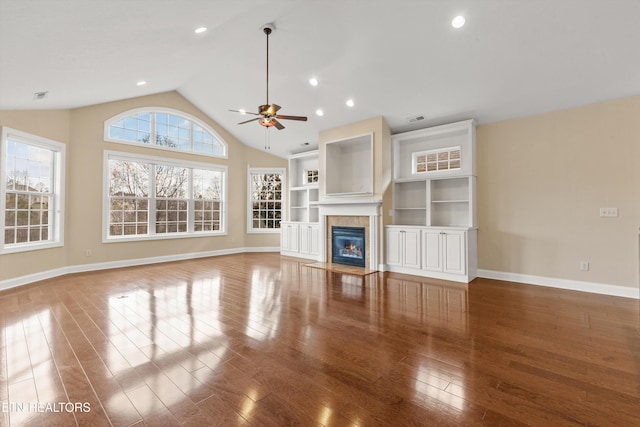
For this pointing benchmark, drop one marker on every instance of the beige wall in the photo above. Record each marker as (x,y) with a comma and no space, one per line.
(52,124)
(541,182)
(82,130)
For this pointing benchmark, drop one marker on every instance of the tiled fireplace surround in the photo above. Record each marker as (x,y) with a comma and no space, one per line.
(365,214)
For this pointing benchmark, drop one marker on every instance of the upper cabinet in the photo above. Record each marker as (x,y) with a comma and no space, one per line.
(349,166)
(436,152)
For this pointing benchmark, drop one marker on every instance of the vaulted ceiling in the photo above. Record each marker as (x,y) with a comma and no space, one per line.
(398,59)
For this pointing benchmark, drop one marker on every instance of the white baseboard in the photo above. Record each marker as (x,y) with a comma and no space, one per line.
(49,274)
(574,285)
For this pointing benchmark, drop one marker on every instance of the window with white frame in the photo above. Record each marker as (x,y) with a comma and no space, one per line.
(165,128)
(442,159)
(31,192)
(266,200)
(154,198)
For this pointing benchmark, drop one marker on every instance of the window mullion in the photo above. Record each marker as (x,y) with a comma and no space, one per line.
(152,200)
(191,143)
(152,131)
(190,203)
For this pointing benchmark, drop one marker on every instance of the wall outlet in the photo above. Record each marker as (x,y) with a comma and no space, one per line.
(584,265)
(88,252)
(608,212)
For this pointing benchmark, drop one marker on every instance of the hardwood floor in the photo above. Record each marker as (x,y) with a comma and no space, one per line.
(256,339)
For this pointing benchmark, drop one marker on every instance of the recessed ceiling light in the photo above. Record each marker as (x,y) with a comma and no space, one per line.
(319,112)
(350,102)
(141,83)
(313,81)
(242,111)
(200,30)
(458,21)
(40,95)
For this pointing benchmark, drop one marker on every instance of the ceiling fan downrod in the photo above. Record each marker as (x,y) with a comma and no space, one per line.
(268,29)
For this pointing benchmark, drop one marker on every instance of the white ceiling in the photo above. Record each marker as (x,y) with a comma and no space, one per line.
(396,58)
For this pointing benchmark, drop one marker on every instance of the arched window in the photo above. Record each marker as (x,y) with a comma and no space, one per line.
(164,128)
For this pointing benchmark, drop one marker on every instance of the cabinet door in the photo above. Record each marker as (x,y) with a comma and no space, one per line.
(394,247)
(432,250)
(284,237)
(314,239)
(309,239)
(289,237)
(454,249)
(305,243)
(411,248)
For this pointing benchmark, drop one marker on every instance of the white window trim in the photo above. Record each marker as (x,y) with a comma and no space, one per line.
(108,154)
(165,110)
(250,171)
(58,189)
(415,155)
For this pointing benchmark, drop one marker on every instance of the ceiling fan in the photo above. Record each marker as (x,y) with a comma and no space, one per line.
(267,113)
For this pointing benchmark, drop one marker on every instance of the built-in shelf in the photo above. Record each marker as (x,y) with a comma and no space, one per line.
(349,167)
(303,187)
(442,197)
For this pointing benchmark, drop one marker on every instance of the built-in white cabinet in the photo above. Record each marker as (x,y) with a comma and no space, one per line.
(300,239)
(403,246)
(300,234)
(434,190)
(442,252)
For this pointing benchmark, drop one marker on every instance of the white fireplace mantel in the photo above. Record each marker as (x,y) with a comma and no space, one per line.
(369,208)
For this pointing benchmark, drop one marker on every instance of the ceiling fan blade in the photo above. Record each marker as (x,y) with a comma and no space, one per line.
(245,112)
(251,120)
(299,118)
(273,108)
(277,124)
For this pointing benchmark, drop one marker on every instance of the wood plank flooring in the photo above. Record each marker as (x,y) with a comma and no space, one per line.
(263,340)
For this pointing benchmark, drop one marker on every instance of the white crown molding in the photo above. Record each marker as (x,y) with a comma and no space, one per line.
(574,285)
(49,274)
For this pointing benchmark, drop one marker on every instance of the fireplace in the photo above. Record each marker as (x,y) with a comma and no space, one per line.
(348,246)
